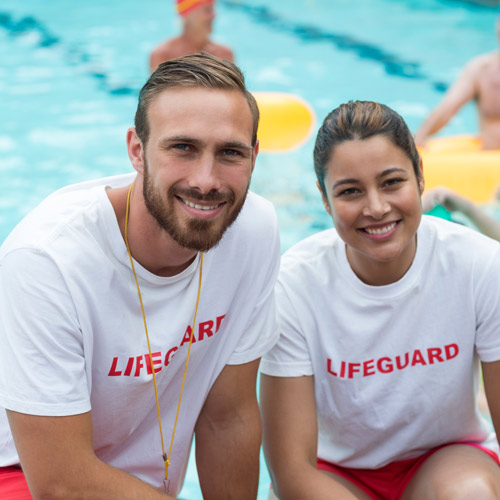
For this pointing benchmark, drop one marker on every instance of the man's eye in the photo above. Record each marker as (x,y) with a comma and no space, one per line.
(232,152)
(182,147)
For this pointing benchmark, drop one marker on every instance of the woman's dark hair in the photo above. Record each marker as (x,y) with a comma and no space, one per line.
(361,120)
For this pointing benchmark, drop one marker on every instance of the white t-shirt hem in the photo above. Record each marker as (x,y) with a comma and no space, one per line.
(489,356)
(240,359)
(280,369)
(45,410)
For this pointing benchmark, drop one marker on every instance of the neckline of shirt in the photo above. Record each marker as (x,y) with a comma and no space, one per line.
(117,244)
(398,288)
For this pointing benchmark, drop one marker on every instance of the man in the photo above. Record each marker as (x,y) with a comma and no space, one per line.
(197,18)
(480,80)
(111,289)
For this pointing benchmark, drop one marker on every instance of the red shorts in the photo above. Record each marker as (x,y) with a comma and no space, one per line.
(389,482)
(13,485)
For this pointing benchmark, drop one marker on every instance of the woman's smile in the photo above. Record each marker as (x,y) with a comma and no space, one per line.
(373,196)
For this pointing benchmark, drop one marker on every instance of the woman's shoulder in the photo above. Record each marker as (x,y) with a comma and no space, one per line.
(313,245)
(463,242)
(311,256)
(446,231)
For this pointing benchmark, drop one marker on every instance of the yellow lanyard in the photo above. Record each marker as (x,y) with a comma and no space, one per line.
(166,458)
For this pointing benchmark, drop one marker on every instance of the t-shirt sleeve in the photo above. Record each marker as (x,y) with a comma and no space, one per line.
(261,331)
(488,311)
(42,366)
(290,356)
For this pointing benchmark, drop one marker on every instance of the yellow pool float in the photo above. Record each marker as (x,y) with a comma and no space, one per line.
(286,121)
(458,162)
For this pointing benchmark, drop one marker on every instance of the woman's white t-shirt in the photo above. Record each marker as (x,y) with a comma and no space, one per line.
(396,367)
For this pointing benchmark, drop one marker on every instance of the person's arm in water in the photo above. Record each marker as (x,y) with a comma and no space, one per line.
(290,433)
(58,460)
(463,90)
(454,202)
(228,436)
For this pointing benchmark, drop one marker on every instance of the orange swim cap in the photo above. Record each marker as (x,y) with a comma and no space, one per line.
(184,7)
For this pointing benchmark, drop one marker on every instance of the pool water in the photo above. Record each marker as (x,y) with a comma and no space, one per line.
(69,79)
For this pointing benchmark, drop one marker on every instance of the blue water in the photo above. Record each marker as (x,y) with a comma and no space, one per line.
(70,72)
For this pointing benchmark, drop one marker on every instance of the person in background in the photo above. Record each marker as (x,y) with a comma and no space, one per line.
(454,202)
(479,81)
(197,19)
(371,390)
(134,309)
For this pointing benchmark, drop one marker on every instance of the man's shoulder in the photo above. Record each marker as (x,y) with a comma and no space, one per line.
(221,51)
(258,214)
(169,49)
(255,230)
(489,63)
(257,203)
(60,213)
(478,64)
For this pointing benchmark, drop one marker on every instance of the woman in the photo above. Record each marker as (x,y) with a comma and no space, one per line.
(371,390)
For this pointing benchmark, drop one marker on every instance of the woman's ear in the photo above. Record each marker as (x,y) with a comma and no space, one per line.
(325,201)
(421,181)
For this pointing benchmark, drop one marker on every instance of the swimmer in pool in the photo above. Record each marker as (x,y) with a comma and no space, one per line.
(457,203)
(384,325)
(479,80)
(197,18)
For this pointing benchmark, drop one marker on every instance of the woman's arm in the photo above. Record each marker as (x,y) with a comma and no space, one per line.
(491,378)
(290,433)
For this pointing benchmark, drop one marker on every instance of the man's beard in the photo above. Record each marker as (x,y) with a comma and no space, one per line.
(197,234)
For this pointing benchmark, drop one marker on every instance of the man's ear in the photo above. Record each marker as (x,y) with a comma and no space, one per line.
(135,150)
(255,152)
(325,200)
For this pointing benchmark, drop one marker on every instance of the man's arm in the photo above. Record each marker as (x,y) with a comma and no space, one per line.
(463,90)
(59,462)
(291,441)
(228,436)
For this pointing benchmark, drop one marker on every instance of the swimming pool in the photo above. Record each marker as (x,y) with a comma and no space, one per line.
(69,80)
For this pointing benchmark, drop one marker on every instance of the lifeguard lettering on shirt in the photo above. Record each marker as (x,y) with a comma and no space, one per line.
(387,364)
(134,365)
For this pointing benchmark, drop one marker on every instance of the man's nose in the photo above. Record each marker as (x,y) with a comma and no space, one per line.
(205,175)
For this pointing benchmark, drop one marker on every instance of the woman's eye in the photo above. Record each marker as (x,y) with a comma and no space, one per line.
(393,182)
(348,192)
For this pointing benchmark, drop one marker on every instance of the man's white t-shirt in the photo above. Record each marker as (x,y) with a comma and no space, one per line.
(72,334)
(396,367)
